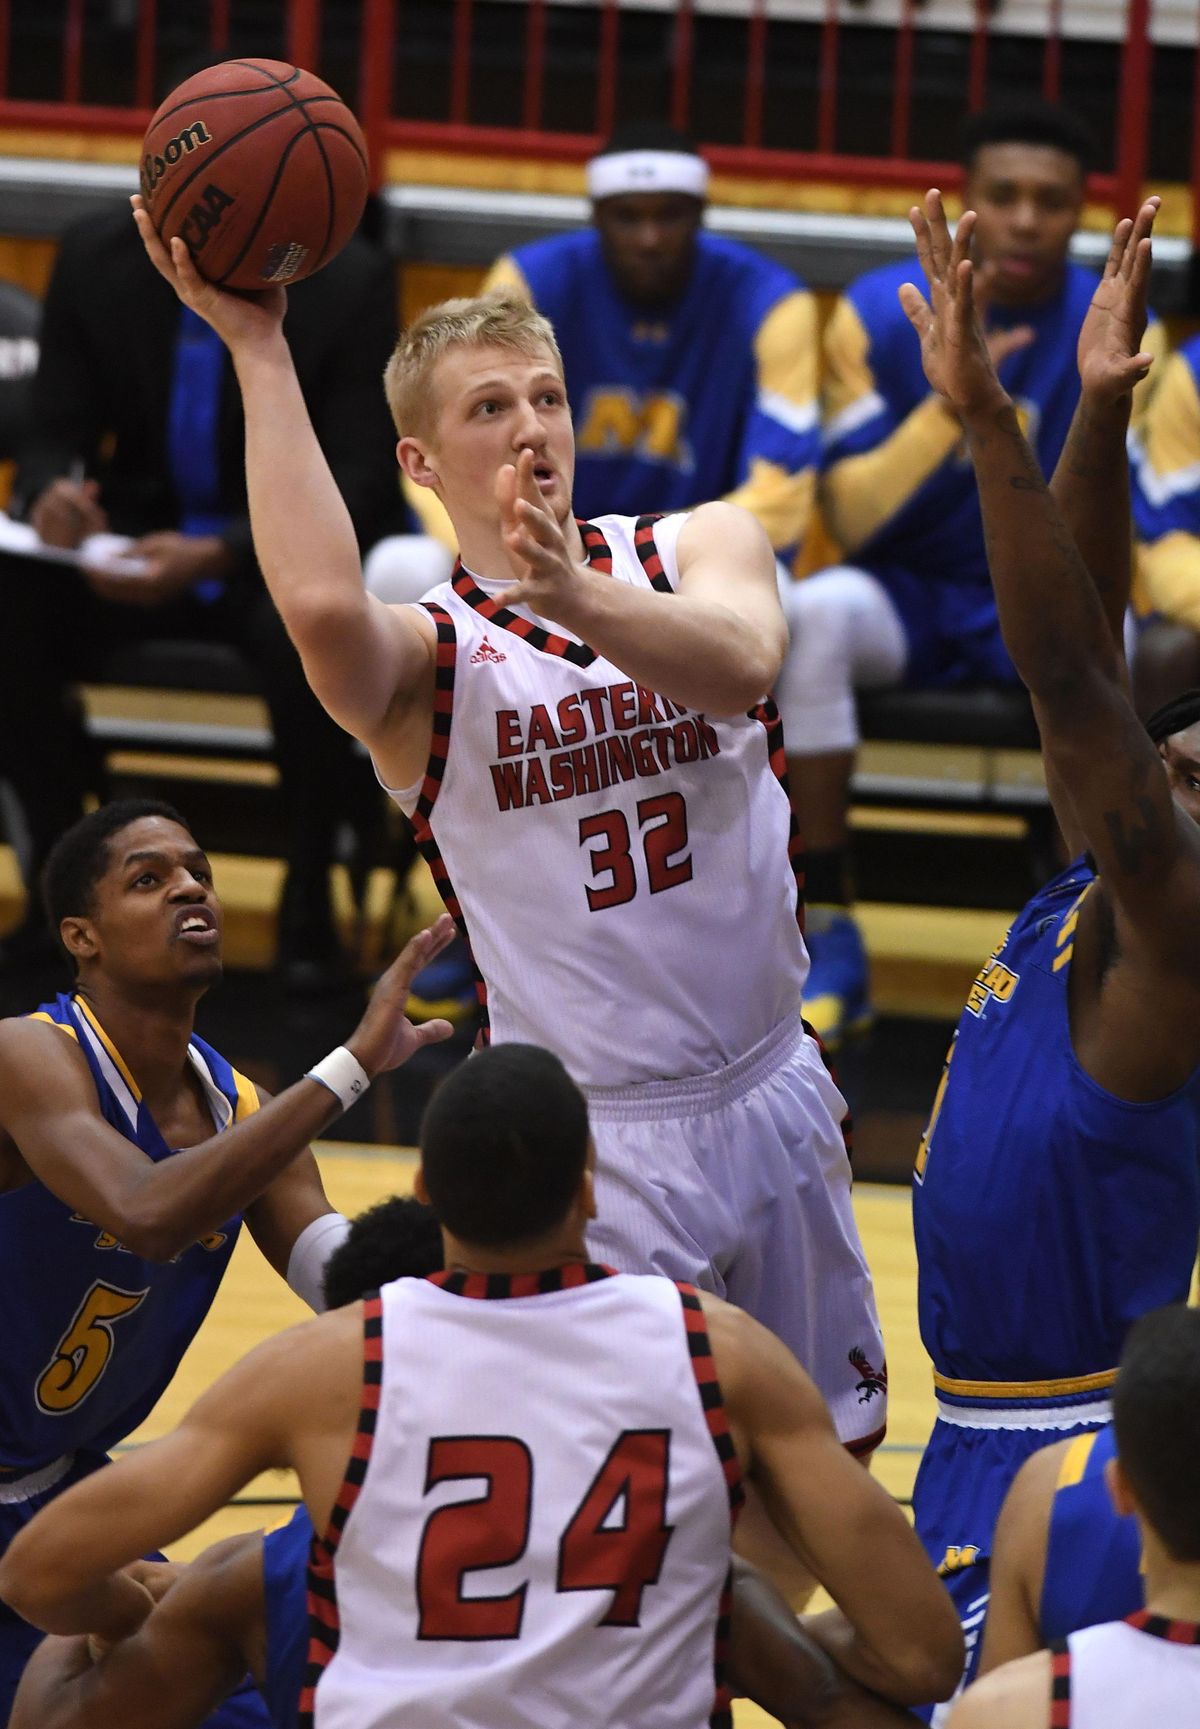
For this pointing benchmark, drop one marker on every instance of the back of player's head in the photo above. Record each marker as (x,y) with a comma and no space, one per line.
(1030,120)
(1182,712)
(1156,1415)
(500,319)
(80,857)
(504,1144)
(397,1239)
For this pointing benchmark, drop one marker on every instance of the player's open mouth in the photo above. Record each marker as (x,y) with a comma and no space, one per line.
(197,927)
(544,476)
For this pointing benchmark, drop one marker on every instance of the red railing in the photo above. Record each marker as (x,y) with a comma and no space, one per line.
(381,42)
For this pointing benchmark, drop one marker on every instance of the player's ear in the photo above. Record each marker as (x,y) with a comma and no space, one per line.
(587,1184)
(414,460)
(1119,1491)
(78,938)
(419,1189)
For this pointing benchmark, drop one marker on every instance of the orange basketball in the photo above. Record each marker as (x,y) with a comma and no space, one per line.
(260,167)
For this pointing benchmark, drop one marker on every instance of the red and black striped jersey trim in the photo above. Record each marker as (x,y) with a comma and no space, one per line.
(443,707)
(768,716)
(713,1406)
(497,1286)
(324,1626)
(1060,1685)
(430,851)
(599,556)
(647,551)
(1162,1627)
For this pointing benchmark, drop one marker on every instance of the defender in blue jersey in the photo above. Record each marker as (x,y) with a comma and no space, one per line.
(1063,1557)
(112,1240)
(910,602)
(1057,1188)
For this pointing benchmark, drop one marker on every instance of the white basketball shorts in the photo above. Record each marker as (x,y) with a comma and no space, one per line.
(739,1182)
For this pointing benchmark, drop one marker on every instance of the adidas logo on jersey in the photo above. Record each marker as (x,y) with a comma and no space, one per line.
(487,655)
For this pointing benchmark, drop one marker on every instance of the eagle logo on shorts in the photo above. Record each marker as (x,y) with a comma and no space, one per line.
(873,1380)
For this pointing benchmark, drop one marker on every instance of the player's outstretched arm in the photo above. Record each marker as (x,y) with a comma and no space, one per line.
(1090,484)
(1015,1697)
(48,1107)
(191,1651)
(291,1402)
(896,1631)
(1056,630)
(715,646)
(360,656)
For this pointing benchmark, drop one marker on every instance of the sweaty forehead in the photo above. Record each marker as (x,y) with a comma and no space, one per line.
(1040,164)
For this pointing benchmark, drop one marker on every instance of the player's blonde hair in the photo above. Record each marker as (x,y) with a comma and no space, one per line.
(501,319)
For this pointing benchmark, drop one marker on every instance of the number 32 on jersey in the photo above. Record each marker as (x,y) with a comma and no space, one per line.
(615,1540)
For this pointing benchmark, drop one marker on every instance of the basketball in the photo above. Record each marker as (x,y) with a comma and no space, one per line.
(259,167)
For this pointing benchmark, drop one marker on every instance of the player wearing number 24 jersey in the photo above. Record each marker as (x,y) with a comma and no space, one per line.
(524,1472)
(578,726)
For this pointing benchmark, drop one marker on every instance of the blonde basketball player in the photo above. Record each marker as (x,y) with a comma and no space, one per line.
(577,726)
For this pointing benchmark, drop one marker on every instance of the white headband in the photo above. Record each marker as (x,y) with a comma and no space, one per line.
(647,171)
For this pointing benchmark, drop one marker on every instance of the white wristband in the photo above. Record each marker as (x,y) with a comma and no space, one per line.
(343,1074)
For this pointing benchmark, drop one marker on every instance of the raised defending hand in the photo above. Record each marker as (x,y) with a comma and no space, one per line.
(238,318)
(1111,360)
(537,548)
(953,350)
(385,1037)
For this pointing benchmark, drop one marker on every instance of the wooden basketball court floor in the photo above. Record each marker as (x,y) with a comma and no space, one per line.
(253,1303)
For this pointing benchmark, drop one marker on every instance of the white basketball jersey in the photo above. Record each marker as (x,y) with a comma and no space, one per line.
(1127,1674)
(534,1531)
(624,867)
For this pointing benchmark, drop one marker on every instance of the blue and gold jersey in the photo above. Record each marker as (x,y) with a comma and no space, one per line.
(93,1332)
(1093,1554)
(896,481)
(285,1595)
(1048,1214)
(712,398)
(1166,490)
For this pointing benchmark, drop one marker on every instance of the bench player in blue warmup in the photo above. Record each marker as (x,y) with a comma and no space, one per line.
(112,1240)
(1058,1186)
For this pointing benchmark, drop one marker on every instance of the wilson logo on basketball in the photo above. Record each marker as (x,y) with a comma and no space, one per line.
(485,654)
(203,217)
(154,167)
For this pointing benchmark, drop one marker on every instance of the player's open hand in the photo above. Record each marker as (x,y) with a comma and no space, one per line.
(953,350)
(385,1037)
(1110,355)
(239,319)
(542,563)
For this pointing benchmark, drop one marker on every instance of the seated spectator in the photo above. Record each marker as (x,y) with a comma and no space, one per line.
(1166,507)
(912,604)
(1144,1669)
(690,359)
(138,395)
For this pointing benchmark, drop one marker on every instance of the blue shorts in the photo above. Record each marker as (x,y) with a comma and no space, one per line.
(960,1488)
(951,628)
(244,1709)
